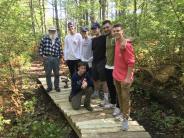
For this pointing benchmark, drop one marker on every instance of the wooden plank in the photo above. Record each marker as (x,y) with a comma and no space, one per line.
(92,115)
(61,101)
(108,128)
(55,97)
(108,122)
(56,94)
(120,134)
(77,131)
(61,86)
(111,129)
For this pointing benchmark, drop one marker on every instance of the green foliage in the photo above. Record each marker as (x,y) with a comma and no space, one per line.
(3,122)
(29,105)
(46,129)
(28,126)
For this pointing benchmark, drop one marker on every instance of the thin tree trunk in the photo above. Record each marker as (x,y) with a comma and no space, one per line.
(41,16)
(87,18)
(53,12)
(57,18)
(43,7)
(135,18)
(92,3)
(32,17)
(103,5)
(66,20)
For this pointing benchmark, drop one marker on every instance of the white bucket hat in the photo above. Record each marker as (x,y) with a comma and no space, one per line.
(52,28)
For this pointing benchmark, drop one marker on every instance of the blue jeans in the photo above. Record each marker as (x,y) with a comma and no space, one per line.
(52,64)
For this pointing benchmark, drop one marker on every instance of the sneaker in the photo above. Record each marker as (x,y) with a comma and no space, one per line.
(119,118)
(108,106)
(57,89)
(95,95)
(116,111)
(48,90)
(103,103)
(125,125)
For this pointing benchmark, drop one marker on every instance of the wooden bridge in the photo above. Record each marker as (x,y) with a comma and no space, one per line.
(97,124)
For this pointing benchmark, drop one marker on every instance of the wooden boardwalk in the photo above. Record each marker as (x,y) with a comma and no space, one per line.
(97,124)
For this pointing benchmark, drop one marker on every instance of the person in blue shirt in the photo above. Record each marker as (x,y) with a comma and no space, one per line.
(81,85)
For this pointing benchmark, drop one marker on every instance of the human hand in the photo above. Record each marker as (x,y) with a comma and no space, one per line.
(127,82)
(84,84)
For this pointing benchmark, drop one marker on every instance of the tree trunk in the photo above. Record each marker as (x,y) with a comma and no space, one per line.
(43,7)
(53,12)
(103,5)
(92,3)
(57,18)
(135,19)
(41,16)
(66,16)
(32,17)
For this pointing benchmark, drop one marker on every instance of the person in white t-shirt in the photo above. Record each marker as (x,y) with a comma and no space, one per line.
(72,48)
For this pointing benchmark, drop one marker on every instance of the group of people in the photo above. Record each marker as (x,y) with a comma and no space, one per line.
(98,58)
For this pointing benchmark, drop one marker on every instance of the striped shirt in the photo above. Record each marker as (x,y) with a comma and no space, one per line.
(47,48)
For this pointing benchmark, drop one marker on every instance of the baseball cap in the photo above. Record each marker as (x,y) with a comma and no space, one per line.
(84,29)
(95,25)
(71,24)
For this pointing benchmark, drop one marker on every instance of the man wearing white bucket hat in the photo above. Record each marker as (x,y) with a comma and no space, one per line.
(50,50)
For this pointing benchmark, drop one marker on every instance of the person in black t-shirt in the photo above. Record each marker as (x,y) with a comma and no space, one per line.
(99,61)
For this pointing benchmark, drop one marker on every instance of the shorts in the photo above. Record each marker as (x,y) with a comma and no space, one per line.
(98,71)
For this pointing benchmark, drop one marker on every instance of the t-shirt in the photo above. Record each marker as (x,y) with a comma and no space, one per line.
(123,59)
(99,48)
(72,47)
(77,82)
(86,51)
(110,47)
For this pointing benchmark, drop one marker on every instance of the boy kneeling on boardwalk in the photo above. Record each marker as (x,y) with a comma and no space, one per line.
(81,85)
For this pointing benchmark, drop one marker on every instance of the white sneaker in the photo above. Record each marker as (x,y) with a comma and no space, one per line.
(119,118)
(108,106)
(125,125)
(116,111)
(103,103)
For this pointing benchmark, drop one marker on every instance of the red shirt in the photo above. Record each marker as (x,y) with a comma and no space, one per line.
(123,59)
